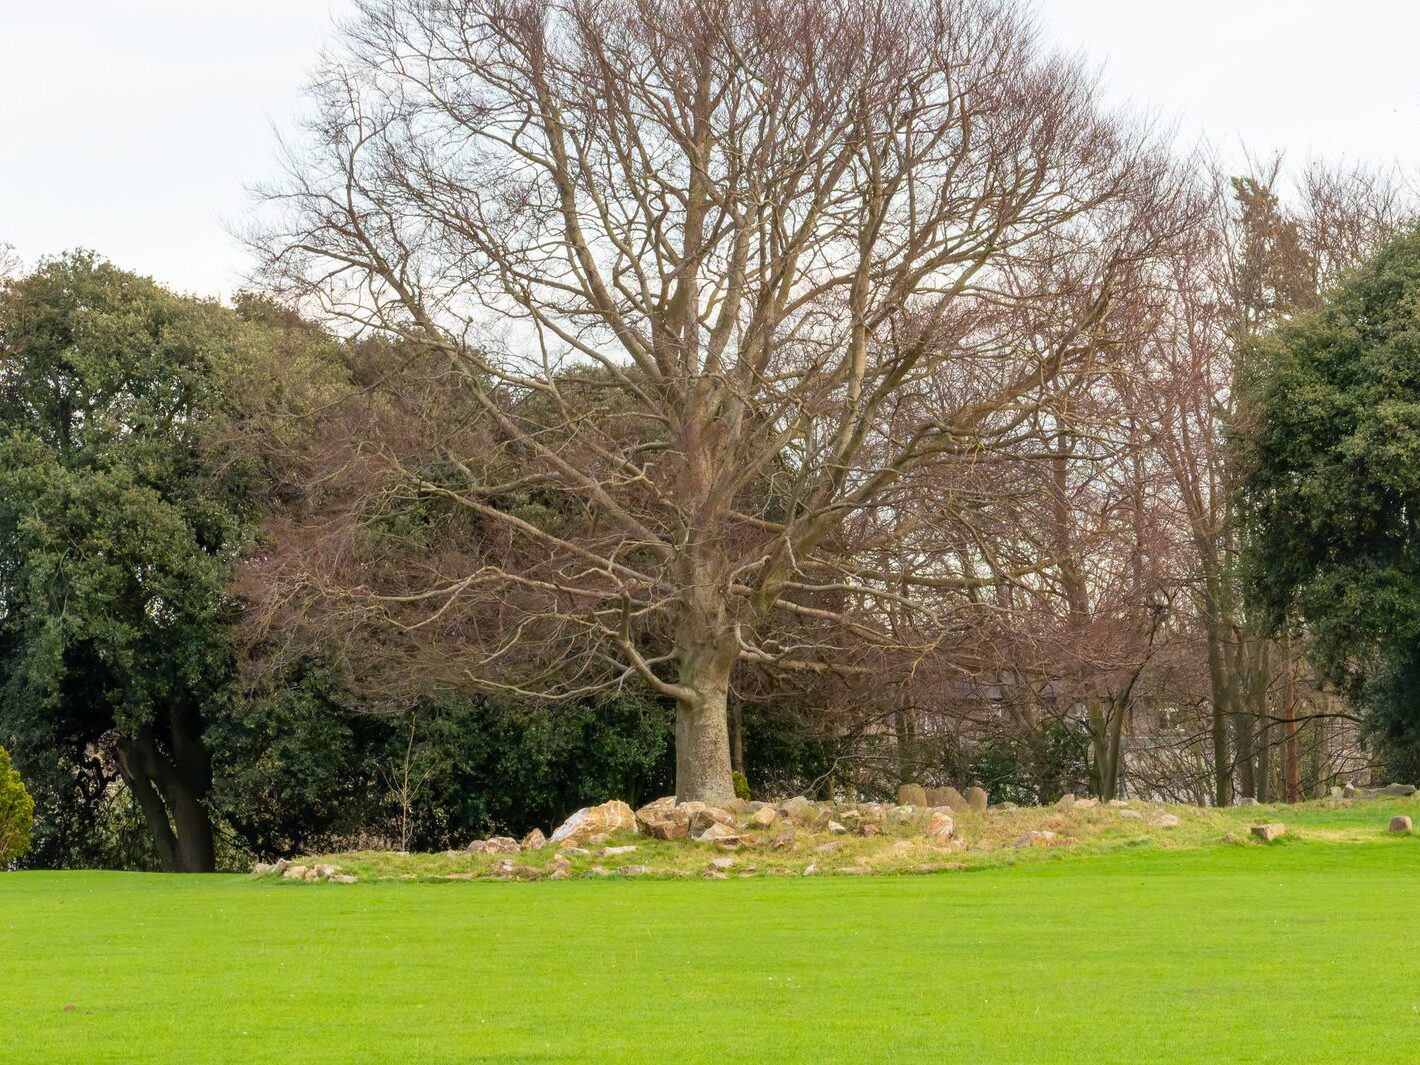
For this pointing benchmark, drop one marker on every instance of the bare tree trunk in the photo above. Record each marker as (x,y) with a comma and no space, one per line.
(1292,772)
(702,754)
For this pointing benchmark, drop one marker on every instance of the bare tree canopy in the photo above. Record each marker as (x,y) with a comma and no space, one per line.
(764,301)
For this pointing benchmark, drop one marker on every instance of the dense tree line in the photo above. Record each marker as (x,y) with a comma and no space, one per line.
(833,395)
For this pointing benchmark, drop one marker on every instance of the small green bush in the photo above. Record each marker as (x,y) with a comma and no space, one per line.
(741,785)
(17,813)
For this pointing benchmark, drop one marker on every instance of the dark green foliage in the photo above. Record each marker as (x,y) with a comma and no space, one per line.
(17,813)
(1038,768)
(303,768)
(1332,484)
(490,768)
(117,535)
(786,754)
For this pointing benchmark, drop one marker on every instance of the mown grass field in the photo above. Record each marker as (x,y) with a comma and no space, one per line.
(1300,951)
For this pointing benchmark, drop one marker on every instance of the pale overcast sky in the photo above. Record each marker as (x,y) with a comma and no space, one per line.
(133,128)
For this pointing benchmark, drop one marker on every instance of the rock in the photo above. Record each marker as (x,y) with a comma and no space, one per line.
(325,872)
(702,816)
(939,827)
(534,840)
(282,864)
(912,795)
(955,800)
(1004,807)
(1247,800)
(262,869)
(829,847)
(799,810)
(559,862)
(784,841)
(502,845)
(1267,833)
(1320,792)
(764,816)
(613,816)
(977,799)
(1400,825)
(722,863)
(1349,791)
(573,852)
(1042,838)
(714,874)
(718,833)
(671,827)
(1336,791)
(559,874)
(599,870)
(633,870)
(836,828)
(1398,790)
(612,852)
(294,872)
(868,828)
(1086,804)
(478,846)
(1165,820)
(1118,803)
(1066,801)
(811,870)
(1132,815)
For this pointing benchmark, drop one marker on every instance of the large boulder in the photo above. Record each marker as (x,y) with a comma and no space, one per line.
(533,840)
(800,810)
(764,817)
(977,799)
(662,819)
(1267,833)
(613,816)
(717,832)
(501,845)
(939,827)
(703,816)
(912,795)
(1400,825)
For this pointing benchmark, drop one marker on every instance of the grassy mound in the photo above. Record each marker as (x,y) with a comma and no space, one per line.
(994,838)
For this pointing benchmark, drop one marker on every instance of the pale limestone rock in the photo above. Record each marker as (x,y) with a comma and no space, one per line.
(940,827)
(613,816)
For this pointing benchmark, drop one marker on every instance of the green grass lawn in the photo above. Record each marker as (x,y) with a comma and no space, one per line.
(1295,952)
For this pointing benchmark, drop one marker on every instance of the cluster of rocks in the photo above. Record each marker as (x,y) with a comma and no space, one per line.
(534,840)
(740,822)
(975,799)
(1389,791)
(288,871)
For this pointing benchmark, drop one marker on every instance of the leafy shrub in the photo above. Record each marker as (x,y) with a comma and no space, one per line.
(17,813)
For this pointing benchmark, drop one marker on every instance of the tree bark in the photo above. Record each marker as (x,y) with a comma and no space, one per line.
(702,753)
(171,787)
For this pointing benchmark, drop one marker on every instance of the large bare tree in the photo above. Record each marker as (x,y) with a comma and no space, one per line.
(733,288)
